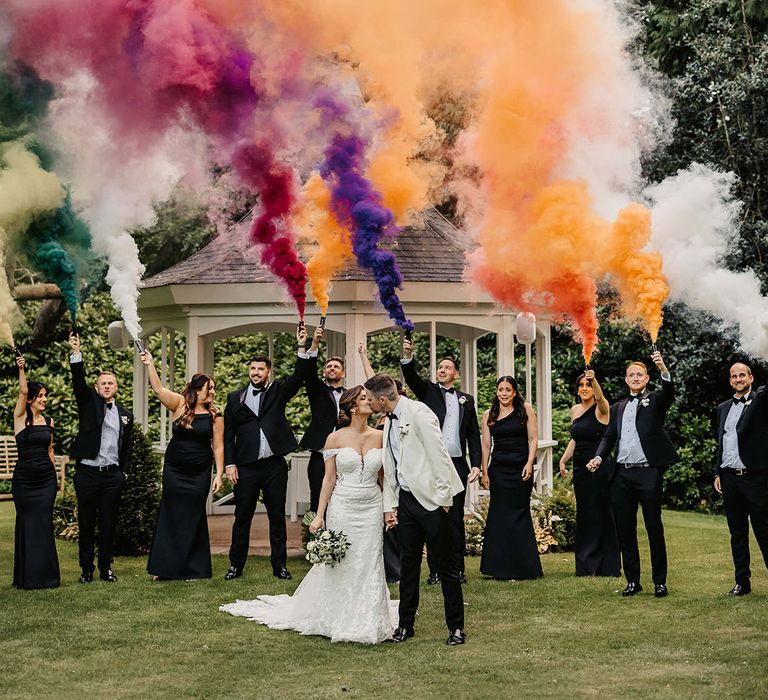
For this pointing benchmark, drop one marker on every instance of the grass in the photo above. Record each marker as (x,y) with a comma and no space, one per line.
(557,637)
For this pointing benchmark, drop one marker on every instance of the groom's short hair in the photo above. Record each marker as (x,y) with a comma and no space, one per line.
(382,385)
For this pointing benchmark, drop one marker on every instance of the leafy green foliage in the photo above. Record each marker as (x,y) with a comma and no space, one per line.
(139,499)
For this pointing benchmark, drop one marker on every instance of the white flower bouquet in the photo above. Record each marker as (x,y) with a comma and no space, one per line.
(326,546)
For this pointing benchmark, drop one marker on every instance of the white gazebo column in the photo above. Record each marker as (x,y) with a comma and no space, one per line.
(335,345)
(356,332)
(194,346)
(468,361)
(432,349)
(505,346)
(544,403)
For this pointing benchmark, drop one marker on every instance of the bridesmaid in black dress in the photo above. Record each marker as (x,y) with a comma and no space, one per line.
(181,548)
(510,440)
(35,562)
(597,549)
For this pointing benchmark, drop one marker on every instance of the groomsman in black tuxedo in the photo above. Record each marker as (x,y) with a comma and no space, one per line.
(257,436)
(102,452)
(643,452)
(456,413)
(741,470)
(323,395)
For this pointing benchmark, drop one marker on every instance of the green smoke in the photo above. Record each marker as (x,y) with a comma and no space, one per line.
(57,243)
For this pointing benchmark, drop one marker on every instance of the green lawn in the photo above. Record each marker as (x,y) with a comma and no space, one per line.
(557,637)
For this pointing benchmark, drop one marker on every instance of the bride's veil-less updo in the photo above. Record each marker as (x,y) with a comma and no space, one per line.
(347,402)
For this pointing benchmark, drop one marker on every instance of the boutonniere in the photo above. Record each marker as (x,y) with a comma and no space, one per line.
(645,402)
(746,403)
(462,400)
(124,419)
(404,430)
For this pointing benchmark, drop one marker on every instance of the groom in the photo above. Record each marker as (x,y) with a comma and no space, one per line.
(420,482)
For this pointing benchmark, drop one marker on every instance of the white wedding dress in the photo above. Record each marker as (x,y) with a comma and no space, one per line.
(348,602)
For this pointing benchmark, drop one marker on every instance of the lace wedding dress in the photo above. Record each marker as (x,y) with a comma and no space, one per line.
(348,602)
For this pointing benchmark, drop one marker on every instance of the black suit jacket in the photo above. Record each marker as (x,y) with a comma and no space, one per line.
(658,448)
(241,425)
(430,393)
(321,404)
(751,431)
(90,411)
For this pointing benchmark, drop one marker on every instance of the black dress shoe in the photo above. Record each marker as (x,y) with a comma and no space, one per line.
(462,577)
(632,589)
(433,578)
(455,638)
(283,573)
(108,576)
(86,577)
(661,590)
(402,633)
(233,572)
(740,589)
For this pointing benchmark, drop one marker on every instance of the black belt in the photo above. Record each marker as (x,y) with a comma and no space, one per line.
(634,465)
(736,471)
(99,467)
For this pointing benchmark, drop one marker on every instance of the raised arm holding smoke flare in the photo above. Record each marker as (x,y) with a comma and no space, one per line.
(102,450)
(457,416)
(323,396)
(257,437)
(642,452)
(180,548)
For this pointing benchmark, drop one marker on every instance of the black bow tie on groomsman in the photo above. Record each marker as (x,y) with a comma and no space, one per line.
(109,405)
(257,391)
(634,397)
(739,399)
(448,391)
(336,389)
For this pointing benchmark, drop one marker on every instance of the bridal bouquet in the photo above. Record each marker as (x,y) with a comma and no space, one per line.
(325,546)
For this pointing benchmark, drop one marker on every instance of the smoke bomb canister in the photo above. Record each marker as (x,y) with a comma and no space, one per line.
(139,346)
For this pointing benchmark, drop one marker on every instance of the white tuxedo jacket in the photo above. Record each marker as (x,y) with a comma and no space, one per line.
(424,461)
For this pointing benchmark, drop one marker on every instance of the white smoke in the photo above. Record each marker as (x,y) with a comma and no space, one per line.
(115,184)
(695,220)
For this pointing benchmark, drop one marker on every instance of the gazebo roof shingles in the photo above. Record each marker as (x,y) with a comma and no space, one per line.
(433,250)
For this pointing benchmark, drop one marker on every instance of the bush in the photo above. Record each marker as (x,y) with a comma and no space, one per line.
(140,499)
(556,516)
(65,515)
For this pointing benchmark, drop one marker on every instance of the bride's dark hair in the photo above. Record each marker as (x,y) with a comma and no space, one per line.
(347,402)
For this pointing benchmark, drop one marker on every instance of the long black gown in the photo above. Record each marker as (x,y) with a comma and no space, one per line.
(35,562)
(509,546)
(181,548)
(597,548)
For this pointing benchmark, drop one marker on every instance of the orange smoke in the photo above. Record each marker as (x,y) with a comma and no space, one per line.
(333,249)
(637,275)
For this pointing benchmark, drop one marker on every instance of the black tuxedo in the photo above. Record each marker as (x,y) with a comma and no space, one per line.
(324,417)
(90,412)
(656,444)
(641,485)
(97,488)
(745,493)
(268,476)
(431,394)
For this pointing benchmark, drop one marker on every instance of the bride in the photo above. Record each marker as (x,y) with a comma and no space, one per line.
(348,602)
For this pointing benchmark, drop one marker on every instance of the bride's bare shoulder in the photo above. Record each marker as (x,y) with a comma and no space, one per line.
(375,436)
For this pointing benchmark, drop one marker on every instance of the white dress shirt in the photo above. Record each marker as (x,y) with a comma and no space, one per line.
(451,423)
(731,457)
(253,401)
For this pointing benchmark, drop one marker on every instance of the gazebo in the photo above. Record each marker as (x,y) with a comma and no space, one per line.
(222,291)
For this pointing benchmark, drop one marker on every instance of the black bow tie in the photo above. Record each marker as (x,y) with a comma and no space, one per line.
(741,399)
(448,391)
(109,405)
(256,391)
(336,389)
(634,397)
